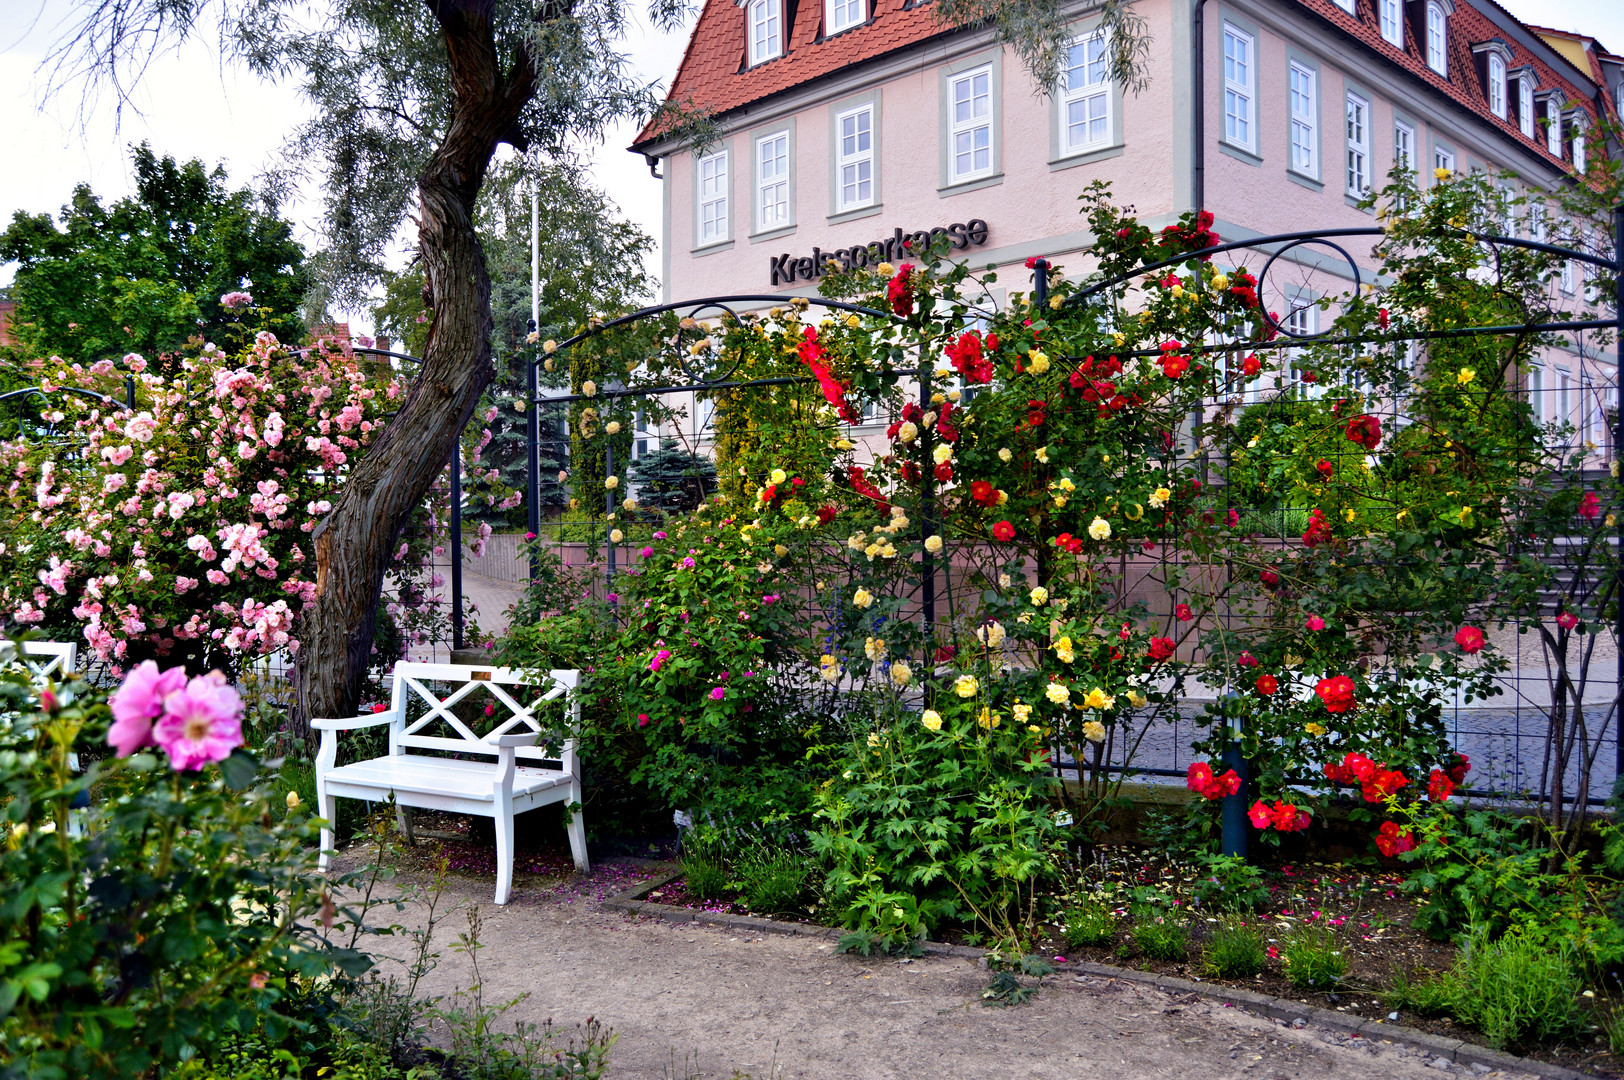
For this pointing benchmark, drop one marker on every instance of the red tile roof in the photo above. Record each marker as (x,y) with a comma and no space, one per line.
(713,75)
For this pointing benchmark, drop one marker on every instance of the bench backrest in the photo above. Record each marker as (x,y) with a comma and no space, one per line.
(51,659)
(515,697)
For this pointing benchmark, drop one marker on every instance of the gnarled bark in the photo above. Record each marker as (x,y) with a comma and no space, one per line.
(354,544)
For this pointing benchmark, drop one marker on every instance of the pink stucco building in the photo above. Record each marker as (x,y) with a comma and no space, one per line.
(846,122)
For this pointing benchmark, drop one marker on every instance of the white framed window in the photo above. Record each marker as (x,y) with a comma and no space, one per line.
(772,181)
(1443,158)
(844,14)
(1358,136)
(1525,106)
(1085,104)
(1497,85)
(1567,276)
(1618,98)
(1240,87)
(1345,5)
(854,154)
(713,200)
(1437,38)
(1302,319)
(1553,127)
(1536,221)
(1536,394)
(1403,145)
(1391,22)
(1578,148)
(766,25)
(970,124)
(1564,406)
(1302,92)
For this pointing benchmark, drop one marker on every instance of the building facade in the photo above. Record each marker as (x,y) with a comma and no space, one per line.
(850,123)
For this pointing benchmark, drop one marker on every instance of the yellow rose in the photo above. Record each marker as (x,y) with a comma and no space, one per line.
(1440,173)
(549,346)
(780,550)
(777,476)
(612,483)
(616,536)
(873,738)
(589,389)
(1057,693)
(857,541)
(1220,282)
(933,544)
(1177,291)
(988,719)
(862,597)
(1099,699)
(1042,455)
(1023,713)
(842,444)
(931,719)
(293,800)
(1465,375)
(1004,454)
(1039,596)
(1159,497)
(1099,529)
(1094,731)
(1119,339)
(829,668)
(874,649)
(1067,486)
(1137,700)
(885,269)
(965,686)
(1063,650)
(908,432)
(612,427)
(991,635)
(1315,729)
(942,454)
(901,674)
(1039,362)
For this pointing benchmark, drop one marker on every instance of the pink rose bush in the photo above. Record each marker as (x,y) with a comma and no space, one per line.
(182,528)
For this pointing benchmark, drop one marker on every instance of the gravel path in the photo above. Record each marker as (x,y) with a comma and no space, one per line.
(691,1001)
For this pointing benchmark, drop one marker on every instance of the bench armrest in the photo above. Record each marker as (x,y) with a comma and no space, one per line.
(527,738)
(350,723)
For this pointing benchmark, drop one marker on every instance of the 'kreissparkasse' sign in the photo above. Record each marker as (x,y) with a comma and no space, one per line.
(787,268)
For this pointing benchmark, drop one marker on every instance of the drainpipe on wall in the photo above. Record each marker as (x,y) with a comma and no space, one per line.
(1198,179)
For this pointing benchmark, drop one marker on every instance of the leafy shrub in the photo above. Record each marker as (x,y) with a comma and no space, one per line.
(1230,883)
(1090,924)
(1314,960)
(1162,940)
(705,876)
(147,928)
(1234,952)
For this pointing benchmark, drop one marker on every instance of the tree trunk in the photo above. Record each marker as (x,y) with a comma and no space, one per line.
(355,542)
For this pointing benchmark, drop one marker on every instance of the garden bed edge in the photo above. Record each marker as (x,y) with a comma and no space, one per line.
(1285,1010)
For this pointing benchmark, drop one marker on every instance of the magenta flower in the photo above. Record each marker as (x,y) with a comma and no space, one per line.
(717,693)
(659,536)
(659,658)
(201,723)
(1567,620)
(1315,623)
(646,552)
(138,703)
(688,562)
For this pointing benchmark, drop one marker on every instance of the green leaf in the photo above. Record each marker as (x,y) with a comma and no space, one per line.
(239,769)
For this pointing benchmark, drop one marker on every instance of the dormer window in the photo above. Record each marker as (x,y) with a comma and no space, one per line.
(1392,25)
(1345,5)
(1525,103)
(1577,143)
(1437,38)
(843,15)
(765,19)
(1497,85)
(1553,126)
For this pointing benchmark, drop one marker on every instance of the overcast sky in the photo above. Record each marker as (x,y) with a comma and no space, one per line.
(189,106)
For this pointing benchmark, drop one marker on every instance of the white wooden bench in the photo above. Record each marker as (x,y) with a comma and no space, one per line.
(497,789)
(51,659)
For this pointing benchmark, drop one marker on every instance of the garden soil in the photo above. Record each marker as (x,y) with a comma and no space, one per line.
(691,1001)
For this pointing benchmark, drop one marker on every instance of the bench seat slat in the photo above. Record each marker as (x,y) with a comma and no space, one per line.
(462,779)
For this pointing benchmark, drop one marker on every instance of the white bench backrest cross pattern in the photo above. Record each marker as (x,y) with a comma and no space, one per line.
(428,715)
(51,659)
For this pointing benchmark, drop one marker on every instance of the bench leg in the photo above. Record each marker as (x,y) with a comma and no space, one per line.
(403,818)
(327,807)
(577,831)
(504,850)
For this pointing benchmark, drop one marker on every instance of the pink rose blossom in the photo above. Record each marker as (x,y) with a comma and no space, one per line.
(717,693)
(138,703)
(1315,623)
(201,723)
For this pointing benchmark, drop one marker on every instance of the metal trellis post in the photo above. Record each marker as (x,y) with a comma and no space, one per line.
(532,462)
(1618,449)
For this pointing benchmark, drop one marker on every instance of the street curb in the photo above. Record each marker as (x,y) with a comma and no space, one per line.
(632,902)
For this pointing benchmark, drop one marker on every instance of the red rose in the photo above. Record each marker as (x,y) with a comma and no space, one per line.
(1359,767)
(1003,531)
(1251,366)
(1382,318)
(1462,766)
(1032,262)
(1198,778)
(826,514)
(1365,430)
(1590,506)
(1259,814)
(1267,685)
(1391,840)
(1469,638)
(944,472)
(769,493)
(1439,786)
(1567,620)
(1318,531)
(1269,578)
(1183,613)
(1325,468)
(1174,365)
(1161,648)
(983,492)
(1247,660)
(1336,692)
(900,291)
